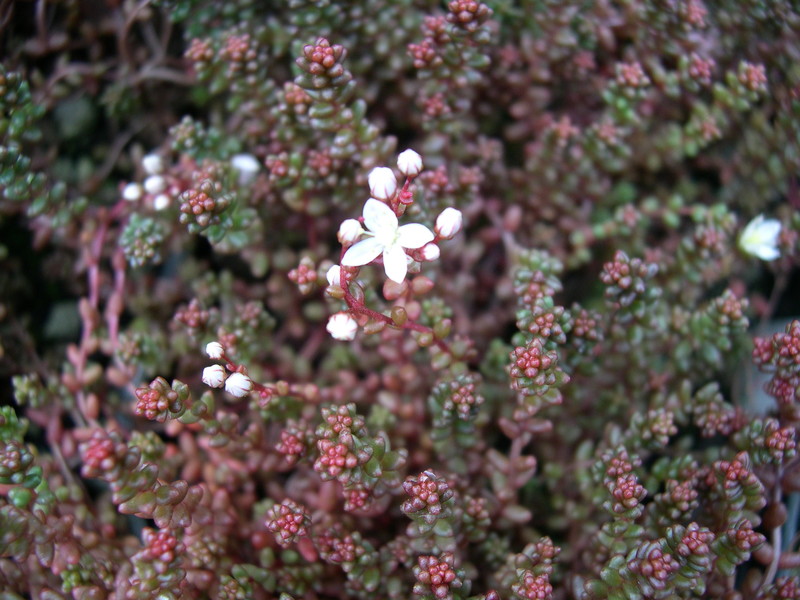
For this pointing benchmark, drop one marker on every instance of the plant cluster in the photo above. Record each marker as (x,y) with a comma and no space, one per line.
(394,299)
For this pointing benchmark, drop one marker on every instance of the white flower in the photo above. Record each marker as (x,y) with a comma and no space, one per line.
(161,202)
(448,223)
(760,238)
(349,232)
(238,385)
(132,192)
(409,163)
(152,164)
(430,252)
(342,327)
(382,183)
(213,376)
(155,184)
(334,275)
(247,166)
(214,350)
(386,238)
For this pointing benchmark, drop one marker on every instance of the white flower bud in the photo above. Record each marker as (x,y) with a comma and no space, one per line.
(382,183)
(161,202)
(342,327)
(448,223)
(215,350)
(430,252)
(155,184)
(132,192)
(349,232)
(334,275)
(152,164)
(409,163)
(238,385)
(214,376)
(247,166)
(760,238)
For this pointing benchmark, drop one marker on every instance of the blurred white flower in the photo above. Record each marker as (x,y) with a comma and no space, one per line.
(760,238)
(387,239)
(152,164)
(247,166)
(132,192)
(409,163)
(214,376)
(349,232)
(448,223)
(382,183)
(238,385)
(214,350)
(161,202)
(342,327)
(155,184)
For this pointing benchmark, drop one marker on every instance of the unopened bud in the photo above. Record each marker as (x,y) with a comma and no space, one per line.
(214,350)
(214,376)
(334,275)
(448,223)
(349,232)
(238,385)
(430,252)
(382,183)
(409,163)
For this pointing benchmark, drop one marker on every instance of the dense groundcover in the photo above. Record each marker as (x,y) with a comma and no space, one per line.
(399,299)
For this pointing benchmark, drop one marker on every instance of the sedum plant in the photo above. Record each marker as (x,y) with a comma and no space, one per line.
(372,299)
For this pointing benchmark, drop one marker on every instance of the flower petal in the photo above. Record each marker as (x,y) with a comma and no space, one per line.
(378,217)
(362,253)
(395,263)
(766,252)
(414,236)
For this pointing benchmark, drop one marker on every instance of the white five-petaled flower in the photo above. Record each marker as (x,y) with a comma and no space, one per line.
(214,376)
(760,238)
(382,183)
(342,327)
(448,223)
(384,237)
(409,163)
(214,350)
(238,385)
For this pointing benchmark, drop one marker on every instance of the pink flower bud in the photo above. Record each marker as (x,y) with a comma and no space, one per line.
(409,163)
(238,385)
(214,376)
(382,183)
(448,223)
(349,232)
